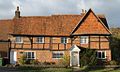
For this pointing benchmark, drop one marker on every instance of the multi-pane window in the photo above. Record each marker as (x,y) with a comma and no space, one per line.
(101,55)
(30,55)
(40,40)
(57,55)
(18,40)
(84,39)
(63,40)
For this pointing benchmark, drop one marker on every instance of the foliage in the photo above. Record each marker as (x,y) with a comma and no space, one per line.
(88,57)
(115,43)
(113,62)
(65,60)
(35,62)
(22,60)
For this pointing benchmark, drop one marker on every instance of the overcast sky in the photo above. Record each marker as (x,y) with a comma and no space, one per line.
(110,8)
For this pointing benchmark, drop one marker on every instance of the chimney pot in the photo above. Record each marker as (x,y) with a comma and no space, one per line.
(82,10)
(17,8)
(17,13)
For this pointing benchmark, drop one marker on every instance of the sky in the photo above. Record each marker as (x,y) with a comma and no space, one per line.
(110,8)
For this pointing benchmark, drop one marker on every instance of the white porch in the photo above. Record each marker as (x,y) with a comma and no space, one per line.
(74,56)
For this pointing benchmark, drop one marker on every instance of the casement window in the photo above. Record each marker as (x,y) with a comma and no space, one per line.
(101,54)
(18,40)
(84,39)
(30,55)
(57,54)
(63,40)
(40,40)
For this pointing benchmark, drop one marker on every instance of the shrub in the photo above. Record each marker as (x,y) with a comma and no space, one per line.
(113,62)
(65,60)
(22,60)
(34,62)
(46,63)
(88,57)
(52,63)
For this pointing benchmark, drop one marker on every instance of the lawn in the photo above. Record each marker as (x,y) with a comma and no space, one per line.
(49,70)
(85,69)
(41,69)
(68,70)
(105,70)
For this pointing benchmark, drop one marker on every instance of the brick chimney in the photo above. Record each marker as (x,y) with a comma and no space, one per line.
(17,13)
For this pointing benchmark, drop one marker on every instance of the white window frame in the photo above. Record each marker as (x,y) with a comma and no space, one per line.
(38,41)
(31,54)
(58,53)
(18,41)
(65,41)
(101,54)
(84,40)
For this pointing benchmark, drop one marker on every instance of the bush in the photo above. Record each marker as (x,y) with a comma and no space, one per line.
(88,57)
(22,60)
(46,63)
(65,61)
(113,62)
(35,62)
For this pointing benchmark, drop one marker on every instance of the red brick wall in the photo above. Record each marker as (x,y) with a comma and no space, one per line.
(41,55)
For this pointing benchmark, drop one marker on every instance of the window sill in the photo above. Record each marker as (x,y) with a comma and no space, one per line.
(101,58)
(63,43)
(39,42)
(19,42)
(56,58)
(83,43)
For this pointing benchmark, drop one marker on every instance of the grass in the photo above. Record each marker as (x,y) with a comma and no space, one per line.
(48,69)
(34,69)
(37,69)
(69,70)
(106,70)
(85,69)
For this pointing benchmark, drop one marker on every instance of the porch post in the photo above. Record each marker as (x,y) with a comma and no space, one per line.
(70,58)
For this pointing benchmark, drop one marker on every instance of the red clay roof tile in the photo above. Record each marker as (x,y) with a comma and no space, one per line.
(55,25)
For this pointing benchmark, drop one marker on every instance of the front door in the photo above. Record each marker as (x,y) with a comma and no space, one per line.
(13,57)
(75,58)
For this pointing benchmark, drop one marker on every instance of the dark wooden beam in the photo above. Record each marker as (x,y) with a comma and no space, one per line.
(50,43)
(28,35)
(80,40)
(44,43)
(89,42)
(91,34)
(99,43)
(58,46)
(71,41)
(65,46)
(31,42)
(30,49)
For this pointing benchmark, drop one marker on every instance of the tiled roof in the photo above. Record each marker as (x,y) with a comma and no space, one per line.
(46,25)
(54,25)
(6,28)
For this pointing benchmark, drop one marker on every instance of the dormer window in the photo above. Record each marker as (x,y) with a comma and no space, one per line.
(40,40)
(63,40)
(18,40)
(84,39)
